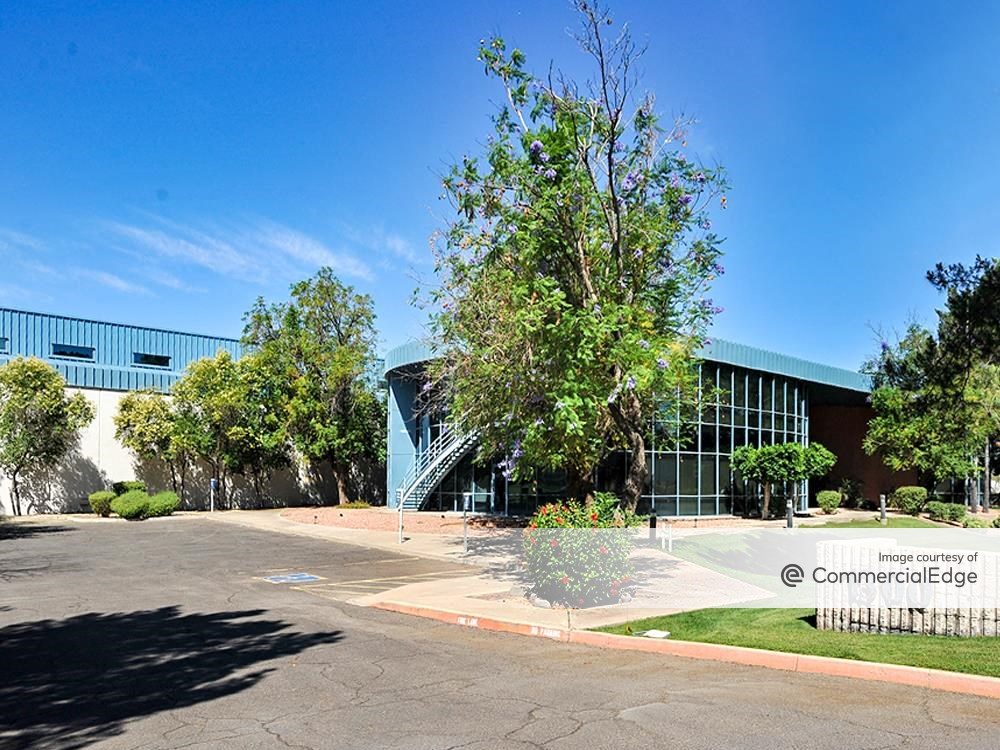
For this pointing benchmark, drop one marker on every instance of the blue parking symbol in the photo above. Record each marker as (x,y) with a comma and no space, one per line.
(292,578)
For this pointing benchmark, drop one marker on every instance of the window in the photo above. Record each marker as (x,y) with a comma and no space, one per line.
(151,360)
(4,345)
(72,351)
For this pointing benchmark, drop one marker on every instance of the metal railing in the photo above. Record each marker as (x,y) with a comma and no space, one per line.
(431,464)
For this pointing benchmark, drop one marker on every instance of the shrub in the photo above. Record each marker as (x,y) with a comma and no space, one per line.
(578,554)
(937,510)
(909,499)
(121,488)
(852,492)
(162,504)
(974,523)
(829,501)
(132,506)
(356,505)
(100,502)
(996,522)
(955,511)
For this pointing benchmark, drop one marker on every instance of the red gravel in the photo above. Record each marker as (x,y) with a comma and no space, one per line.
(382,519)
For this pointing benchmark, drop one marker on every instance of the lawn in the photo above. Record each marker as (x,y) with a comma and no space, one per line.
(892,522)
(792,630)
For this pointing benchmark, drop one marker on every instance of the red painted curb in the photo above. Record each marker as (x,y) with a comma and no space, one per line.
(933,679)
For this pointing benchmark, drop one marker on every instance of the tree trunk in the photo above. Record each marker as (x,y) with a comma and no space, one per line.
(580,485)
(764,508)
(638,470)
(15,494)
(340,476)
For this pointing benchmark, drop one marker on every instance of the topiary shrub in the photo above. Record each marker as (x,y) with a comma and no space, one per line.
(578,554)
(974,523)
(909,499)
(132,506)
(829,501)
(100,502)
(121,488)
(162,504)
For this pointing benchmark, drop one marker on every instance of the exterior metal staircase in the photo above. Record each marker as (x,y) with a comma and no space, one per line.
(441,456)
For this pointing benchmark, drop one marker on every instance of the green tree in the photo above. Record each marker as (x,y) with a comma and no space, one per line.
(573,284)
(780,464)
(39,420)
(322,342)
(258,444)
(147,424)
(209,407)
(924,420)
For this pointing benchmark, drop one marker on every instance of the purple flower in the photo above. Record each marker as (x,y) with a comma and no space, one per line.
(630,181)
(717,268)
(643,343)
(536,147)
(675,180)
(700,177)
(661,363)
(706,224)
(885,347)
(539,422)
(550,173)
(597,309)
(685,199)
(544,157)
(630,383)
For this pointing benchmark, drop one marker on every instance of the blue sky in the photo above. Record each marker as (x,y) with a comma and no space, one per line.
(164,163)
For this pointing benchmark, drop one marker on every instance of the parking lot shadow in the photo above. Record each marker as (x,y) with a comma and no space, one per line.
(69,683)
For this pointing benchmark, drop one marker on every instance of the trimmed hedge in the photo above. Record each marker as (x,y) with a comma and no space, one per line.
(829,501)
(132,506)
(939,511)
(100,502)
(163,504)
(974,523)
(909,500)
(121,488)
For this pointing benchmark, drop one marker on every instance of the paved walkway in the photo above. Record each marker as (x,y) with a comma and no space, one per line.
(494,589)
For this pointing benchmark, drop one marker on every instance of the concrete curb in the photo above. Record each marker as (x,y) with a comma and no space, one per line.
(932,679)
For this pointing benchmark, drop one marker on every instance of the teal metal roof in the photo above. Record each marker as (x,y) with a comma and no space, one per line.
(719,350)
(108,356)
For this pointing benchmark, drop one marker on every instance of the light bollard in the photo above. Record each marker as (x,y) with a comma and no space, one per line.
(881,505)
(789,515)
(466,503)
(399,505)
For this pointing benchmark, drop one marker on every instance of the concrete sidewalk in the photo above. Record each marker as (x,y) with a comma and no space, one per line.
(664,584)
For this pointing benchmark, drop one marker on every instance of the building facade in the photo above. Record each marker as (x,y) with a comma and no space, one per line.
(764,398)
(103,361)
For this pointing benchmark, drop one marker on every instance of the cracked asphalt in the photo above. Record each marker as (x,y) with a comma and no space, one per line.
(161,634)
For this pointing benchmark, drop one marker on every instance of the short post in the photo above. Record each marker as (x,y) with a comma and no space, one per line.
(652,528)
(670,537)
(466,502)
(399,506)
(789,515)
(881,510)
(213,485)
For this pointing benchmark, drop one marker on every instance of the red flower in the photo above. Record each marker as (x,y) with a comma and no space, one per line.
(564,580)
(593,516)
(559,519)
(553,543)
(604,550)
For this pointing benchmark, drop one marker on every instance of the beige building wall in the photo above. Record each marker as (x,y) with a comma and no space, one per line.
(99,460)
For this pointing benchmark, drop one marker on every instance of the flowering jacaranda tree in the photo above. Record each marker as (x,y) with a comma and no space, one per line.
(573,279)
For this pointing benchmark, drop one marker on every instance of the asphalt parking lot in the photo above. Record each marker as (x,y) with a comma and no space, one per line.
(167,634)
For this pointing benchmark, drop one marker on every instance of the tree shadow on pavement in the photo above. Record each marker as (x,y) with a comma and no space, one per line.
(68,683)
(26,529)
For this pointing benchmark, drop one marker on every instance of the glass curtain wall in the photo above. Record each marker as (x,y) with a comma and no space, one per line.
(689,468)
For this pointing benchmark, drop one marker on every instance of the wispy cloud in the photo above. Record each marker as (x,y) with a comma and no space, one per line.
(259,251)
(110,280)
(386,244)
(18,241)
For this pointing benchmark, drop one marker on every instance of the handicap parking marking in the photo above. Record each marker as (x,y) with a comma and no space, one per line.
(292,578)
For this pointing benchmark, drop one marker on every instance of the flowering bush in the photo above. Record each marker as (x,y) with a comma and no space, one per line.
(578,554)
